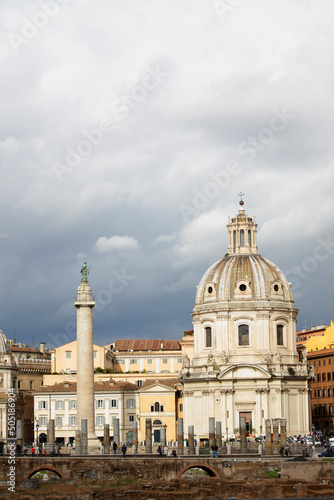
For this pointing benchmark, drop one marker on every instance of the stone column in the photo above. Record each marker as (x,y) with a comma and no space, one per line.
(163,436)
(243,434)
(191,440)
(85,362)
(19,431)
(148,435)
(134,435)
(211,431)
(106,439)
(219,435)
(275,435)
(116,431)
(77,441)
(180,438)
(268,435)
(283,431)
(51,435)
(84,436)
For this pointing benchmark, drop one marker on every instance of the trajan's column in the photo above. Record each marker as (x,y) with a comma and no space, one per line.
(85,363)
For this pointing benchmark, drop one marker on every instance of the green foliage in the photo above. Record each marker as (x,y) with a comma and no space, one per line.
(99,370)
(143,371)
(273,473)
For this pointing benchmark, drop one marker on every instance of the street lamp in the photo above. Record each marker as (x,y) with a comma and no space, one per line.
(226,434)
(165,434)
(261,431)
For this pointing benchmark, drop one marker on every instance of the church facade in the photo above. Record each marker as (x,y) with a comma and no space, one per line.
(245,361)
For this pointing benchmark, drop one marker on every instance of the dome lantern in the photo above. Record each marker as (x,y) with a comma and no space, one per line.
(242,234)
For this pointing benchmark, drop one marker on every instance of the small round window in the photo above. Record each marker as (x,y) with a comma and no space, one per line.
(242,288)
(210,289)
(276,288)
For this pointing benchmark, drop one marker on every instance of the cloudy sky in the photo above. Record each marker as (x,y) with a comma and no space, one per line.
(127,130)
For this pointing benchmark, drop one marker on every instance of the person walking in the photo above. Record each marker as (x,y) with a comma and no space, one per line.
(114,445)
(124,448)
(216,451)
(32,451)
(159,451)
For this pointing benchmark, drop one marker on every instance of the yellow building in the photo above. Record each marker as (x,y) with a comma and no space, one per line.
(64,358)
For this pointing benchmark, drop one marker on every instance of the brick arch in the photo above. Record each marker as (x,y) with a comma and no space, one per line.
(45,467)
(207,468)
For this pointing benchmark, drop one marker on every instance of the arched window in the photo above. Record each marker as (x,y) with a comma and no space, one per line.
(242,238)
(243,334)
(249,237)
(279,334)
(157,422)
(208,336)
(157,407)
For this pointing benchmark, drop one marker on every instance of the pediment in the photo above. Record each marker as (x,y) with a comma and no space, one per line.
(157,388)
(244,371)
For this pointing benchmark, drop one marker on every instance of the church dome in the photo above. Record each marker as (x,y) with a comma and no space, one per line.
(3,343)
(241,278)
(243,275)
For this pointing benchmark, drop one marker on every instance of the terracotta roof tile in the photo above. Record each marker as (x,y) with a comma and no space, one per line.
(146,345)
(98,386)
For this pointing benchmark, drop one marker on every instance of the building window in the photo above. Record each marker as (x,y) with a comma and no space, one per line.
(208,336)
(325,411)
(324,377)
(315,393)
(130,403)
(324,393)
(113,403)
(319,377)
(42,421)
(59,404)
(249,237)
(68,354)
(319,393)
(242,238)
(73,421)
(329,361)
(157,407)
(329,392)
(120,361)
(59,421)
(234,240)
(165,361)
(131,418)
(73,404)
(43,405)
(331,410)
(150,361)
(279,334)
(31,384)
(100,403)
(329,376)
(243,332)
(19,384)
(181,407)
(95,354)
(324,362)
(133,361)
(179,360)
(100,420)
(139,383)
(68,371)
